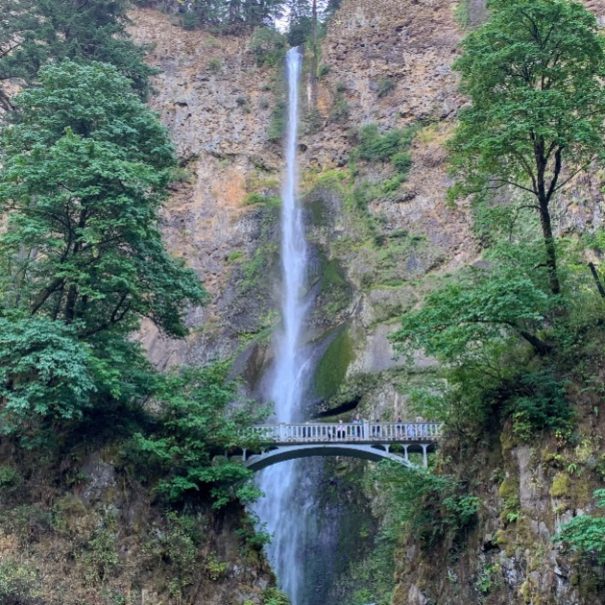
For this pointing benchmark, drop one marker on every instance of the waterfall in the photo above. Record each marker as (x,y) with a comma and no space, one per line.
(281,509)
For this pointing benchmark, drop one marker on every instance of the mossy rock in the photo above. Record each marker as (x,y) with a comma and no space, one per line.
(508,489)
(561,485)
(333,365)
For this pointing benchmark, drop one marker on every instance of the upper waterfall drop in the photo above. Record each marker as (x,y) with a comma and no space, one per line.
(287,382)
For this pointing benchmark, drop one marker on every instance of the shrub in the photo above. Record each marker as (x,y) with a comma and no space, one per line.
(323,70)
(377,147)
(17,582)
(340,109)
(385,86)
(538,402)
(9,478)
(214,65)
(585,534)
(273,596)
(402,161)
(430,506)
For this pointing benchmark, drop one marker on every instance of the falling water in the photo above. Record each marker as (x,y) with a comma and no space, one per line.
(280,509)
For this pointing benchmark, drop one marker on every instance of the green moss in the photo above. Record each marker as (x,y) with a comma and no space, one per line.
(560,485)
(335,290)
(509,492)
(332,367)
(462,13)
(235,256)
(260,198)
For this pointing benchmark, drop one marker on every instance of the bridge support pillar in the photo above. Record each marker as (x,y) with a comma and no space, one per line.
(405,453)
(244,454)
(425,459)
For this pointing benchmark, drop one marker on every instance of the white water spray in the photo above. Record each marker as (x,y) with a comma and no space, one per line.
(280,509)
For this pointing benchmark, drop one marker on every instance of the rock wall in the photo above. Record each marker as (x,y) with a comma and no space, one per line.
(86,531)
(217,106)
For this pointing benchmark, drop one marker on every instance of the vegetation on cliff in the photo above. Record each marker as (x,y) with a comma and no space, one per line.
(516,329)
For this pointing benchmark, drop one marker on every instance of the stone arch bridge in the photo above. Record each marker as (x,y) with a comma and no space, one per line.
(375,441)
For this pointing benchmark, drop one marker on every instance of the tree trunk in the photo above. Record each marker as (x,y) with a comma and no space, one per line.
(597,279)
(544,196)
(540,347)
(551,251)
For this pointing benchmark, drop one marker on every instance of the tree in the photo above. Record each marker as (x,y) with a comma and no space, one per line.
(85,170)
(195,424)
(34,32)
(459,319)
(226,15)
(535,76)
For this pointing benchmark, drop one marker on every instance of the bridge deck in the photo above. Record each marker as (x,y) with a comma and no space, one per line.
(363,432)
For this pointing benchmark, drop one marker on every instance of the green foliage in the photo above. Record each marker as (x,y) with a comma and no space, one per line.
(340,107)
(9,478)
(531,71)
(101,555)
(480,307)
(534,73)
(462,13)
(264,199)
(277,125)
(273,596)
(585,534)
(377,147)
(45,372)
(17,582)
(268,46)
(177,545)
(85,170)
(389,147)
(36,32)
(195,425)
(538,402)
(429,506)
(224,16)
(85,167)
(215,65)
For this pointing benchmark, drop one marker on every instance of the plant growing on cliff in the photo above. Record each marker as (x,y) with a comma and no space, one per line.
(534,73)
(429,506)
(585,534)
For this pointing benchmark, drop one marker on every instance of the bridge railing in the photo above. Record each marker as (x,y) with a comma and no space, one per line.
(393,432)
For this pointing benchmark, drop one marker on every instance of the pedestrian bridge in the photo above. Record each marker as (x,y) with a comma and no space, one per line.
(375,441)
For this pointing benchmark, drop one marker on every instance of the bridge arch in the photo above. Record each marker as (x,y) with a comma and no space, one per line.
(374,453)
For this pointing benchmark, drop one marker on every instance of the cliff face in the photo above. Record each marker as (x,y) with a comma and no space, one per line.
(86,531)
(378,237)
